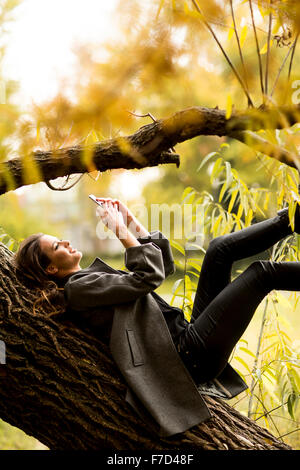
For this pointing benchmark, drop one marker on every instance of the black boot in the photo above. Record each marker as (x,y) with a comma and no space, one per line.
(284,214)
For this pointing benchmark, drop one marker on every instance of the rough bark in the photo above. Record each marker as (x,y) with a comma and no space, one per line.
(60,385)
(150,145)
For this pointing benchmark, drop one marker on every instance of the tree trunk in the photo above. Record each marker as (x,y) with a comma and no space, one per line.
(150,145)
(61,385)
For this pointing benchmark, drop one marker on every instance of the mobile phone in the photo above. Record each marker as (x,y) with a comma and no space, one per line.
(91,196)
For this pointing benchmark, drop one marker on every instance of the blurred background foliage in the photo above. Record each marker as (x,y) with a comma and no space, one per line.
(163,58)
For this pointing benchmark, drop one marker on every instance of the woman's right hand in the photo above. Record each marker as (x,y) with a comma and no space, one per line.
(111,216)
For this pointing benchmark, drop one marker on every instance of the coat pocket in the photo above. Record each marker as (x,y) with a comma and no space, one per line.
(136,355)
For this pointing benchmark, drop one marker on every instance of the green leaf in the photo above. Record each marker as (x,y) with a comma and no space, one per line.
(232,200)
(228,173)
(290,404)
(198,247)
(180,264)
(194,265)
(177,246)
(176,286)
(222,192)
(239,359)
(194,274)
(208,157)
(186,192)
(247,351)
(216,168)
(217,223)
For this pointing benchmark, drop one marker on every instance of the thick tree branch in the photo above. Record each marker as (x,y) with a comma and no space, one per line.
(149,146)
(61,385)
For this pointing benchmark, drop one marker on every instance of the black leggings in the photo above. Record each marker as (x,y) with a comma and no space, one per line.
(223,309)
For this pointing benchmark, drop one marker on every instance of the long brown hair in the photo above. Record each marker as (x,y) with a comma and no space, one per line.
(30,264)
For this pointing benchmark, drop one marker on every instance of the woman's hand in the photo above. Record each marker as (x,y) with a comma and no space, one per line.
(111,217)
(126,213)
(130,220)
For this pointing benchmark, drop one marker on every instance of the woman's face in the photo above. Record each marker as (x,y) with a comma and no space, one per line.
(64,259)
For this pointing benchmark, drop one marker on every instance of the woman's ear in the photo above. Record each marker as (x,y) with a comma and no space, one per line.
(51,269)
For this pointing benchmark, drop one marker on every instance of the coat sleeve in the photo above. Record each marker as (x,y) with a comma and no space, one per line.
(160,240)
(145,263)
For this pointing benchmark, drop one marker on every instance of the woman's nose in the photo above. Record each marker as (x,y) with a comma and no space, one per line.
(66,242)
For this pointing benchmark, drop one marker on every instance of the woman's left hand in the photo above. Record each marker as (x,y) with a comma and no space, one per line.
(111,217)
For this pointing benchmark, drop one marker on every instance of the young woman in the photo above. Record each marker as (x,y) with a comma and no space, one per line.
(166,360)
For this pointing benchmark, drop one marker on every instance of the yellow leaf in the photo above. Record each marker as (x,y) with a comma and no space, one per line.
(243,35)
(228,107)
(231,31)
(291,213)
(222,192)
(280,198)
(240,211)
(266,203)
(265,48)
(278,24)
(249,218)
(216,167)
(263,11)
(292,184)
(216,224)
(159,8)
(232,200)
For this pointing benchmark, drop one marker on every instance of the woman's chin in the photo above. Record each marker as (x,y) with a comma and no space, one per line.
(76,255)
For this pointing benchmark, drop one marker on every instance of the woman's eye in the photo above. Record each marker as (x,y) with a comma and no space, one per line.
(57,245)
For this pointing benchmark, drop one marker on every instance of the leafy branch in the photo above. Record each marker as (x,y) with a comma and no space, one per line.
(233,68)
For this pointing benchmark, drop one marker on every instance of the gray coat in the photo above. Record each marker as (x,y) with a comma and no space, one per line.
(160,388)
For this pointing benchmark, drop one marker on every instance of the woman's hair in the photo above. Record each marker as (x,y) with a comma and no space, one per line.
(31,263)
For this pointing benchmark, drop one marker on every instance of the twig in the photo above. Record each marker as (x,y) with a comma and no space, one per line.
(271,418)
(257,50)
(154,120)
(143,115)
(63,188)
(257,355)
(290,67)
(184,282)
(268,49)
(270,411)
(282,65)
(239,47)
(292,57)
(283,435)
(224,53)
